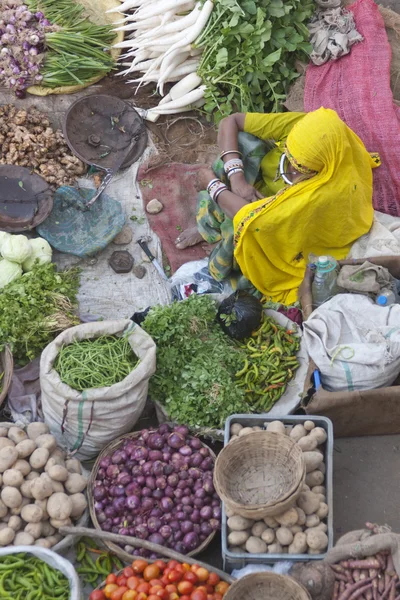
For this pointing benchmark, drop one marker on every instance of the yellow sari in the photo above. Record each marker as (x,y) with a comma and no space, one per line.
(324,214)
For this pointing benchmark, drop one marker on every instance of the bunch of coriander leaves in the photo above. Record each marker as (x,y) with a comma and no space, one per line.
(35,308)
(249,53)
(196,363)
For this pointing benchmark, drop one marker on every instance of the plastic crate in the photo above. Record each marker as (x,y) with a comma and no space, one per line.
(237,561)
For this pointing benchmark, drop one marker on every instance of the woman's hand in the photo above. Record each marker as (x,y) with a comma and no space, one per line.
(240,187)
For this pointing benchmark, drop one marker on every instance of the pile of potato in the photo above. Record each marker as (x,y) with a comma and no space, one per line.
(301,529)
(40,490)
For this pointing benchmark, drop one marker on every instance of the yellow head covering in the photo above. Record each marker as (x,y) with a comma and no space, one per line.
(324,214)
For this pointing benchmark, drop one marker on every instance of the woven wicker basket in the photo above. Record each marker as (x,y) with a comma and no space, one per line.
(115,444)
(6,368)
(260,474)
(266,586)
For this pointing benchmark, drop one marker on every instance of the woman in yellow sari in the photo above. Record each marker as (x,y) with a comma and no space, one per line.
(314,196)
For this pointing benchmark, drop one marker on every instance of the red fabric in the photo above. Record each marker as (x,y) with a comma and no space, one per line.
(357,86)
(175,186)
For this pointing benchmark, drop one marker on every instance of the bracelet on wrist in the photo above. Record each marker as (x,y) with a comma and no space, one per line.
(215,188)
(225,152)
(234,163)
(234,172)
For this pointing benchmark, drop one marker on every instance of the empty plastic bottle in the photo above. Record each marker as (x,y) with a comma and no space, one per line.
(385,298)
(324,285)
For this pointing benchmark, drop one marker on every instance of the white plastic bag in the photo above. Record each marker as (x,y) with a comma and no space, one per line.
(354,343)
(84,422)
(55,561)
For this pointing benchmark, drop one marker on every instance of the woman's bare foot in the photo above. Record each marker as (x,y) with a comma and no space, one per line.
(188,237)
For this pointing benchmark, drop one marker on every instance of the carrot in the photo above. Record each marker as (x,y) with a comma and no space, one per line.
(392,594)
(351,589)
(335,594)
(356,575)
(359,593)
(387,591)
(382,559)
(381,584)
(390,566)
(337,568)
(369,593)
(368,563)
(341,577)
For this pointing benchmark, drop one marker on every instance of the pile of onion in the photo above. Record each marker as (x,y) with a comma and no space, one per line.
(159,487)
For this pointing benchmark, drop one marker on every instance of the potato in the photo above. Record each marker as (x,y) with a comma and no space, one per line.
(299,544)
(53,540)
(6,536)
(11,497)
(315,478)
(308,502)
(275,548)
(57,486)
(41,489)
(15,522)
(31,513)
(309,425)
(238,523)
(284,536)
(25,448)
(271,522)
(13,477)
(317,539)
(47,441)
(319,489)
(305,488)
(276,427)
(301,516)
(312,521)
(17,511)
(35,429)
(26,489)
(8,456)
(312,460)
(297,433)
(34,529)
(268,536)
(58,453)
(235,549)
(256,546)
(43,506)
(60,523)
(233,437)
(229,512)
(257,428)
(236,538)
(79,505)
(17,435)
(58,473)
(39,458)
(53,461)
(23,466)
(319,434)
(6,443)
(245,431)
(258,528)
(3,431)
(24,539)
(47,529)
(73,466)
(236,428)
(75,483)
(288,518)
(322,527)
(43,543)
(296,529)
(307,443)
(4,525)
(32,475)
(322,468)
(323,510)
(59,506)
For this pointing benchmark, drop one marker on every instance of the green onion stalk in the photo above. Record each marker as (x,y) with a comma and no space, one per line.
(79,50)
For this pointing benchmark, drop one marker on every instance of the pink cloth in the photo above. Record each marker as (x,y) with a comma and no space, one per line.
(357,86)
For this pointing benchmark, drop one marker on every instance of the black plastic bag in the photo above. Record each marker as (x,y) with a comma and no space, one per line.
(240,314)
(140,316)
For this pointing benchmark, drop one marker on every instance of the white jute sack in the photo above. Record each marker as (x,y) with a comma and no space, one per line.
(354,342)
(53,560)
(84,422)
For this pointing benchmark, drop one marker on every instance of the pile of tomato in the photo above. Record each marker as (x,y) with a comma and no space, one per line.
(162,581)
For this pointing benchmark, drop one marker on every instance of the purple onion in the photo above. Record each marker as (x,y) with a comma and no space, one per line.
(158,494)
(156,512)
(157,538)
(166,504)
(176,440)
(112,471)
(195,516)
(141,532)
(209,486)
(182,429)
(165,531)
(195,443)
(147,504)
(185,451)
(164,428)
(147,468)
(196,459)
(169,492)
(155,441)
(191,541)
(206,513)
(146,492)
(204,451)
(140,453)
(214,524)
(99,493)
(158,468)
(217,512)
(132,502)
(206,529)
(155,455)
(207,464)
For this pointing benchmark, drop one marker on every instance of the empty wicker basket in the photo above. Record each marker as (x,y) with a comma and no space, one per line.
(260,474)
(266,586)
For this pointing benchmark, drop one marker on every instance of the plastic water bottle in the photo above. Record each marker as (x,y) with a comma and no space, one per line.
(324,285)
(385,298)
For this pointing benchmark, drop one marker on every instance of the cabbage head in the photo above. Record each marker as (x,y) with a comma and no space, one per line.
(41,254)
(3,236)
(8,272)
(15,248)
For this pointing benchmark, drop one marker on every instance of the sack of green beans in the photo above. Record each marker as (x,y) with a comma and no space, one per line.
(94,380)
(34,572)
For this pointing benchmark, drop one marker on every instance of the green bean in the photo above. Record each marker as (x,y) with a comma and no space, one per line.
(27,576)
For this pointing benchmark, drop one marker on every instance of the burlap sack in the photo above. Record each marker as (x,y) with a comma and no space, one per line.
(295,98)
(366,278)
(363,543)
(84,422)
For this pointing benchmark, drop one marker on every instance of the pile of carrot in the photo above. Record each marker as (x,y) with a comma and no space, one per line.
(372,578)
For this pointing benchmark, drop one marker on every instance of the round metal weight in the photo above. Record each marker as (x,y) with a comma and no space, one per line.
(121,261)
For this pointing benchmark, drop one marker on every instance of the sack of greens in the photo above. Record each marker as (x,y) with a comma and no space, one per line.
(94,379)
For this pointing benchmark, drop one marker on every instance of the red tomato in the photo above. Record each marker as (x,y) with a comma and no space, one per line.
(111,578)
(109,589)
(185,587)
(173,596)
(133,582)
(209,588)
(202,574)
(152,597)
(151,572)
(213,579)
(175,576)
(217,596)
(192,577)
(143,587)
(163,594)
(198,595)
(172,564)
(97,595)
(161,565)
(222,587)
(194,567)
(184,597)
(158,582)
(170,588)
(139,565)
(130,595)
(117,595)
(186,566)
(141,596)
(121,580)
(127,572)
